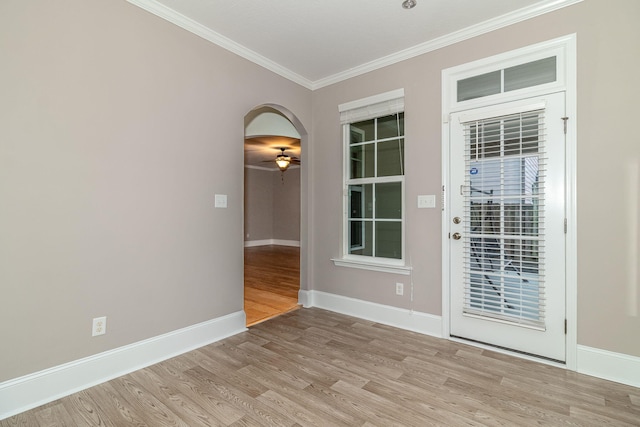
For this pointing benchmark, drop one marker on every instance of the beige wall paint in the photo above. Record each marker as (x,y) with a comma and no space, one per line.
(258,204)
(112,124)
(272,205)
(607,179)
(286,204)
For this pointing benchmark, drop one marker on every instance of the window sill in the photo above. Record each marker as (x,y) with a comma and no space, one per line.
(372,266)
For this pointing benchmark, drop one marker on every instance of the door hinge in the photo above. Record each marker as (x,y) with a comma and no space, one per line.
(565,119)
(565,226)
(442,199)
(565,326)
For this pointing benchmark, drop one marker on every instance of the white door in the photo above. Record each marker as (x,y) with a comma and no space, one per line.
(507,237)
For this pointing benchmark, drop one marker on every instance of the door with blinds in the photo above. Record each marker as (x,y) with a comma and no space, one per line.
(507,226)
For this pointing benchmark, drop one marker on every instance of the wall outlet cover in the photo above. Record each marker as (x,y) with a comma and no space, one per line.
(99,326)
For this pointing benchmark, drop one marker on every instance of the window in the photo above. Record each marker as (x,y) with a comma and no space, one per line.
(521,76)
(373,131)
(374,183)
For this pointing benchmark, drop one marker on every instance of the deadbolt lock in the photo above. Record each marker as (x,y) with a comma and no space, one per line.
(457,220)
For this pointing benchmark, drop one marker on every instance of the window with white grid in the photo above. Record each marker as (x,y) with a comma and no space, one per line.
(373,131)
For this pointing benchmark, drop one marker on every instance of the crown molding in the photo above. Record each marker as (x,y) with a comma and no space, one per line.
(186,23)
(447,40)
(168,14)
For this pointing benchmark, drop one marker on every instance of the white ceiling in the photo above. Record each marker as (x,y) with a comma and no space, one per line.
(318,42)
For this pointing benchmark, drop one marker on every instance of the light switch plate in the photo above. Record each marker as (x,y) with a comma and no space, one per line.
(221,201)
(426,201)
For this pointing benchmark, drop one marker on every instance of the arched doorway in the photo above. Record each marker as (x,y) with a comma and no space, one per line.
(273,212)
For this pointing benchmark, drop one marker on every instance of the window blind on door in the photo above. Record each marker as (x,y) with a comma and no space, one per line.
(504,245)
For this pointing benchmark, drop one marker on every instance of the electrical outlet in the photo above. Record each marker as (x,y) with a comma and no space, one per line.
(99,326)
(399,288)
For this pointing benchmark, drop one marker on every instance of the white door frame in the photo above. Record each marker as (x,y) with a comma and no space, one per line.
(565,49)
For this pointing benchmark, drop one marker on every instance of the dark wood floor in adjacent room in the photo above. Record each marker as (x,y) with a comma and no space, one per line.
(271,281)
(311,367)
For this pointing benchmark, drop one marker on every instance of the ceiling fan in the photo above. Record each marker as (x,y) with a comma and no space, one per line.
(283,161)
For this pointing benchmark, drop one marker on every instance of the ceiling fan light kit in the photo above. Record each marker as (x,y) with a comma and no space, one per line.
(283,161)
(409,4)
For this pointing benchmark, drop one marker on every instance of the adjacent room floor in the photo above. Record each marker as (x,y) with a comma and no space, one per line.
(315,367)
(271,281)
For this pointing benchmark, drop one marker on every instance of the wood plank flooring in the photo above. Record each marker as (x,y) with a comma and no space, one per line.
(271,281)
(312,367)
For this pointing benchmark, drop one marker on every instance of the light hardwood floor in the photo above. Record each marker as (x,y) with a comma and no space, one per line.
(318,368)
(271,281)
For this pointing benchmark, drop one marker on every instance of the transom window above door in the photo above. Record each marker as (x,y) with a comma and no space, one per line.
(532,71)
(521,76)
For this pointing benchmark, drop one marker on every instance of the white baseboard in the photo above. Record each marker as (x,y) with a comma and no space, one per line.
(267,242)
(30,391)
(608,365)
(304,298)
(423,323)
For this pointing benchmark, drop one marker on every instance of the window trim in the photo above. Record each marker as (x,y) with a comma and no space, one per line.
(372,107)
(372,266)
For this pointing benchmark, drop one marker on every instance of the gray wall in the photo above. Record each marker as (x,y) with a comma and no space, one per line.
(258,204)
(608,153)
(116,130)
(272,205)
(286,204)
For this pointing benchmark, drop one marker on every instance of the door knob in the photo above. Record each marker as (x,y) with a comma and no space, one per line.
(456,236)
